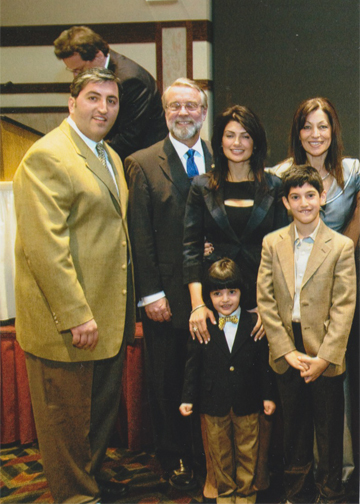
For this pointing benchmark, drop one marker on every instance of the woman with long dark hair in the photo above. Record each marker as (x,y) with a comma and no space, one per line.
(315,139)
(233,207)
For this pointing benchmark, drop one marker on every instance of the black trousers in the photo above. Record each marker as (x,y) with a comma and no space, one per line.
(318,404)
(165,356)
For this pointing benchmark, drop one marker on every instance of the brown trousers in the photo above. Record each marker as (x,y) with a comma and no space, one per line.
(75,406)
(233,448)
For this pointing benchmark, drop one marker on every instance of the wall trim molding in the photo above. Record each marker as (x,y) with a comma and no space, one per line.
(33,88)
(113,33)
(33,110)
(62,87)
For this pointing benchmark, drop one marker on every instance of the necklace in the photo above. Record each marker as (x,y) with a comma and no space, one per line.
(326,176)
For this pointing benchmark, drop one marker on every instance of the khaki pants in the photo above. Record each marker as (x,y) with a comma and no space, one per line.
(233,447)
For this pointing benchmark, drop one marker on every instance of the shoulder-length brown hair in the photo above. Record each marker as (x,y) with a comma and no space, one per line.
(252,124)
(334,156)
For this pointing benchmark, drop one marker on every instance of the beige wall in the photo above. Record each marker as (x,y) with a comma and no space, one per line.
(55,12)
(37,64)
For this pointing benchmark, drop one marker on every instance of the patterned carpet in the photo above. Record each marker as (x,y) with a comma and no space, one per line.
(22,479)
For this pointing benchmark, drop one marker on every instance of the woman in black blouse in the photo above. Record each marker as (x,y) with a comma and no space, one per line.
(232,207)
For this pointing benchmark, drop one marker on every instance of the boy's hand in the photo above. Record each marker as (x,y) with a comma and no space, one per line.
(293,358)
(315,367)
(186,409)
(258,329)
(269,407)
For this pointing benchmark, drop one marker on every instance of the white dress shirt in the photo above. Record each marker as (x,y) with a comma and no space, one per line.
(302,251)
(230,328)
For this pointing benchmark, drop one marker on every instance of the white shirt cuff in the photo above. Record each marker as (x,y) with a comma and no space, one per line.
(151,299)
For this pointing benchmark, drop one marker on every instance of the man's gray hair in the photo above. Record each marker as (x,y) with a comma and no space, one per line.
(96,74)
(184,82)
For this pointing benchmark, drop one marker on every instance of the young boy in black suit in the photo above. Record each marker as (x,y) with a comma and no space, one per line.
(230,379)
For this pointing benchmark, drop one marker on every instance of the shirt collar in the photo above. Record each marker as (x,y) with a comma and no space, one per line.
(107,61)
(90,143)
(236,313)
(312,236)
(182,149)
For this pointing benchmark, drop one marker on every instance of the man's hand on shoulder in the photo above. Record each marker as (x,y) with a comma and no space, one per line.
(85,336)
(159,311)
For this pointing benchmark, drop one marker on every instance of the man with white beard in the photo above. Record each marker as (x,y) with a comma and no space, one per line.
(159,179)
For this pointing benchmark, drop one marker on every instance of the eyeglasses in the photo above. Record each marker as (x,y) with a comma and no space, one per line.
(75,71)
(189,106)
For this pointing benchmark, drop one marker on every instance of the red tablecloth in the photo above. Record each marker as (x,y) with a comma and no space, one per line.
(17,423)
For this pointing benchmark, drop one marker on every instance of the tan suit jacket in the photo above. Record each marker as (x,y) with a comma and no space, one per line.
(327,298)
(72,248)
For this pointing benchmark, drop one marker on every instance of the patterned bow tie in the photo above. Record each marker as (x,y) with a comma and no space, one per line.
(229,318)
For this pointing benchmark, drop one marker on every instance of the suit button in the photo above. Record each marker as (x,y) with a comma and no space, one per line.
(123,243)
(124,266)
(124,291)
(232,368)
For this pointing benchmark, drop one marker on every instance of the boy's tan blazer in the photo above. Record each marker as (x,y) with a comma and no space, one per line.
(327,299)
(72,248)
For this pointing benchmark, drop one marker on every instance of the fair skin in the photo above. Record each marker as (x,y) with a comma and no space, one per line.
(315,137)
(94,112)
(76,64)
(185,126)
(225,301)
(238,147)
(96,108)
(304,203)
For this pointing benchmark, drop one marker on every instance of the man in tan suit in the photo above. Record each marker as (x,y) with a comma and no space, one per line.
(306,299)
(75,304)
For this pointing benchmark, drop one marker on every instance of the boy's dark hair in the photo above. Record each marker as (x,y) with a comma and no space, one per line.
(223,274)
(299,175)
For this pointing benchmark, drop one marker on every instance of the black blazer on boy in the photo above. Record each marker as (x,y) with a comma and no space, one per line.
(218,380)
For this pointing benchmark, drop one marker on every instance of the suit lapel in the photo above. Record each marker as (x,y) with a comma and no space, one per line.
(285,252)
(207,156)
(92,162)
(262,203)
(173,169)
(219,338)
(243,331)
(214,201)
(320,250)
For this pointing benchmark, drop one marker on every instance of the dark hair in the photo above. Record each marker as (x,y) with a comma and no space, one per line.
(93,75)
(252,124)
(82,40)
(222,274)
(299,175)
(334,156)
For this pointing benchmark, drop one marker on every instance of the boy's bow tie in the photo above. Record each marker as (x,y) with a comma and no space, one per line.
(229,318)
